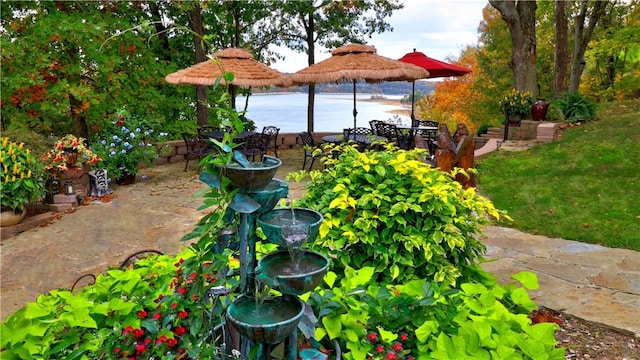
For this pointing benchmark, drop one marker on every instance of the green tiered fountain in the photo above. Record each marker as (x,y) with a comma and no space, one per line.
(263,320)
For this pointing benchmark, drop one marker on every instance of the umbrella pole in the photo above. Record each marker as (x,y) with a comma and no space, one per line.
(413,97)
(355,112)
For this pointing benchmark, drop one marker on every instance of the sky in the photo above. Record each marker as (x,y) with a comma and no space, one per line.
(437,28)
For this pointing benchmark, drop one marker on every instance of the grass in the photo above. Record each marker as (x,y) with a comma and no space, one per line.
(584,187)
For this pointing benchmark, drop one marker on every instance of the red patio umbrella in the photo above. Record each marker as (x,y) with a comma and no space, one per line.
(435,67)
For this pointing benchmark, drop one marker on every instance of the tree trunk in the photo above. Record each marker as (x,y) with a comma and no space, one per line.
(195,20)
(561,54)
(520,17)
(312,60)
(582,36)
(79,121)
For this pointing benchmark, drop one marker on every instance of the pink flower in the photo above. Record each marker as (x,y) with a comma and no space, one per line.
(397,347)
(379,349)
(192,275)
(372,337)
(182,290)
(391,356)
(404,337)
(142,314)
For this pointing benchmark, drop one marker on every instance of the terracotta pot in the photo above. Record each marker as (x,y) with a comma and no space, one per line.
(539,110)
(9,217)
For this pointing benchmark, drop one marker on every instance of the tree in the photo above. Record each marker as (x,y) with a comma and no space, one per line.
(520,17)
(330,24)
(60,75)
(582,36)
(561,54)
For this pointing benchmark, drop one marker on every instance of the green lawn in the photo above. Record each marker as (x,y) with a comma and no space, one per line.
(584,187)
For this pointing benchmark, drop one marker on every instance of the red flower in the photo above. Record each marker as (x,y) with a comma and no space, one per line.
(182,314)
(372,337)
(116,350)
(147,341)
(391,356)
(379,349)
(404,337)
(161,339)
(397,347)
(174,305)
(171,342)
(138,333)
(192,275)
(127,330)
(182,290)
(142,314)
(157,316)
(140,349)
(195,297)
(179,330)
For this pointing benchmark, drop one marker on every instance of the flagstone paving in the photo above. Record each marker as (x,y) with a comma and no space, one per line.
(588,281)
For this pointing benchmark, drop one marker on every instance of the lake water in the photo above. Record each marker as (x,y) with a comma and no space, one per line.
(332,112)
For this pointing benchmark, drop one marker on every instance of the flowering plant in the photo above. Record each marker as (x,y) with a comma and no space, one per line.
(387,345)
(69,153)
(21,176)
(516,103)
(126,143)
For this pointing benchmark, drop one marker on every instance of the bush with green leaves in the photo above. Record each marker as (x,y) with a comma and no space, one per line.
(575,108)
(155,308)
(419,319)
(391,211)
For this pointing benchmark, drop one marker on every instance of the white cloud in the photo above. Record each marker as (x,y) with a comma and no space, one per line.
(438,28)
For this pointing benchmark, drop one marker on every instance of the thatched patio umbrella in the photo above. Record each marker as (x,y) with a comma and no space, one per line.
(354,62)
(246,71)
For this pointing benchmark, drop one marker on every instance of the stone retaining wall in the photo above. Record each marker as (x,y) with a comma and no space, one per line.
(177,149)
(528,130)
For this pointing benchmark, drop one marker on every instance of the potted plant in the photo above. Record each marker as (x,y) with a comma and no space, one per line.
(126,143)
(69,157)
(22,181)
(516,105)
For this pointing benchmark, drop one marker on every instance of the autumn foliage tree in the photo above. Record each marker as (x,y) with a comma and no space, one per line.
(64,70)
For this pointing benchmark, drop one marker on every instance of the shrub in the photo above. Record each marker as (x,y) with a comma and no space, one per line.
(576,108)
(21,176)
(393,212)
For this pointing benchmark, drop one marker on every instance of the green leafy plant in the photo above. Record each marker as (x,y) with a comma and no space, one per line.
(155,308)
(479,319)
(391,211)
(125,143)
(21,176)
(516,103)
(576,108)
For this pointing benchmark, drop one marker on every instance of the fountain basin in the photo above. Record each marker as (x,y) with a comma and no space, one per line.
(277,271)
(277,318)
(268,197)
(271,223)
(255,178)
